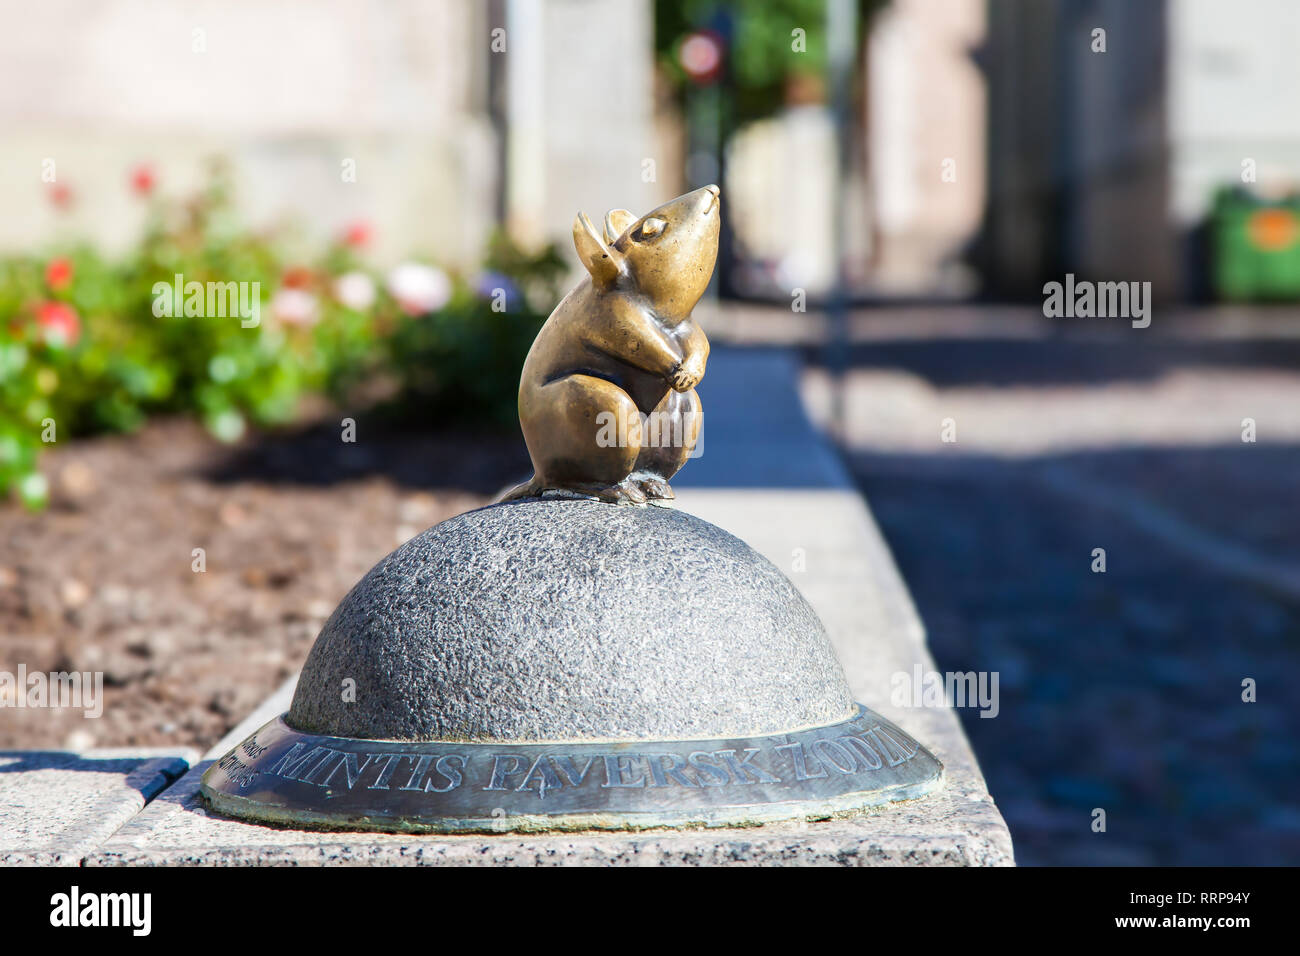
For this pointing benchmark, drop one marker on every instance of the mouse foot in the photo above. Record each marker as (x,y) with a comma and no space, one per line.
(654,487)
(626,492)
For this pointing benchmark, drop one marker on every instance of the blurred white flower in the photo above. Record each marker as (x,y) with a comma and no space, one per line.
(227,425)
(419,288)
(294,306)
(356,290)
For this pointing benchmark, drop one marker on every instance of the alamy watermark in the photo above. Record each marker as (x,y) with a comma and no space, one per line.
(71,689)
(655,430)
(74,908)
(1102,300)
(211,300)
(921,688)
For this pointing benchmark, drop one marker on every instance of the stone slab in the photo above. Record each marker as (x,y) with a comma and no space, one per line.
(853,585)
(56,806)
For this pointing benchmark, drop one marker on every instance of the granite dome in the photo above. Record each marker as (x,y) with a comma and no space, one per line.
(571,620)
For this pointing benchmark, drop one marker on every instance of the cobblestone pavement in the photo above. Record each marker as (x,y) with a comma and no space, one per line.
(1119,690)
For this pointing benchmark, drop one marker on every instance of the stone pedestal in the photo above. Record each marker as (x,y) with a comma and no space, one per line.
(568,664)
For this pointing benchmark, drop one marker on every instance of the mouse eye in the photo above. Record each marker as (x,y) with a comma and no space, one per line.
(649,229)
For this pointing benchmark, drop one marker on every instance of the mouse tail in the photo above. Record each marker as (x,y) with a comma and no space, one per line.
(529,489)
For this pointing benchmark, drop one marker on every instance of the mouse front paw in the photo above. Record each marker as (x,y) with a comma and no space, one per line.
(685,377)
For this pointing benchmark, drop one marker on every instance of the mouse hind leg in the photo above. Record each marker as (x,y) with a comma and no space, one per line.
(669,437)
(584,436)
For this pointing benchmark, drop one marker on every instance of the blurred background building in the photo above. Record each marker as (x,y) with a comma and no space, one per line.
(1107,161)
(988,147)
(288,92)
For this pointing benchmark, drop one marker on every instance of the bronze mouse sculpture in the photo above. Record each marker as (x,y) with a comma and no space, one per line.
(607,398)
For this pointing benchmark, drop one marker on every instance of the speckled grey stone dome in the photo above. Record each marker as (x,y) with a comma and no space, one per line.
(571,620)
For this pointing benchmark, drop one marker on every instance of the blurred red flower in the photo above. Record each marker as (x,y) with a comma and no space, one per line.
(143,179)
(297,277)
(700,55)
(59,323)
(61,196)
(358,234)
(58,274)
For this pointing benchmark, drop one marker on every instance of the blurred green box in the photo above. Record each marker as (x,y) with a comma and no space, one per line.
(1256,247)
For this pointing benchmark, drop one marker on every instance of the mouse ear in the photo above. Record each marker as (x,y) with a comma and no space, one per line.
(601,261)
(616,223)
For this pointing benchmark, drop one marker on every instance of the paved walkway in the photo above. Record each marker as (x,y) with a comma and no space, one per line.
(1122,690)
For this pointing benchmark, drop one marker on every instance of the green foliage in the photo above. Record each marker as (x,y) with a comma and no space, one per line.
(465,359)
(91,345)
(761,53)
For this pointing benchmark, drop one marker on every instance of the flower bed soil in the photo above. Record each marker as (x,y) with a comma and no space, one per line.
(105,579)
